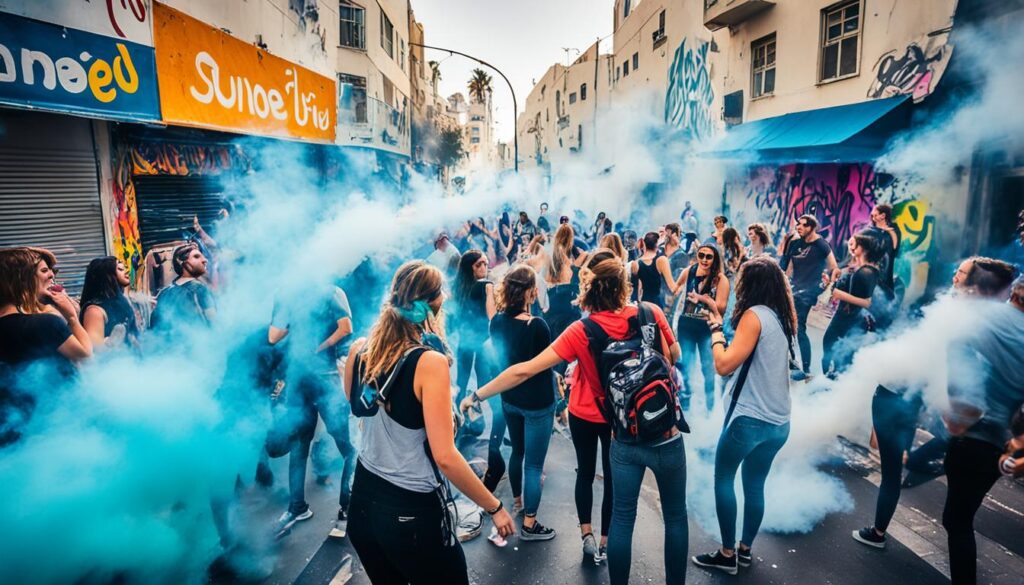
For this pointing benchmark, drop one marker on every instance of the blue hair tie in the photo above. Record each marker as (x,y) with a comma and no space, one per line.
(417,313)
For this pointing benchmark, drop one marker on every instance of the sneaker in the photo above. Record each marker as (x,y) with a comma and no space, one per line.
(340,528)
(717,560)
(288,520)
(869,537)
(602,555)
(590,545)
(799,375)
(537,532)
(743,557)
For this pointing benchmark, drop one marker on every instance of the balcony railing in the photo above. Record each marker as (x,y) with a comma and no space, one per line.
(365,121)
(722,13)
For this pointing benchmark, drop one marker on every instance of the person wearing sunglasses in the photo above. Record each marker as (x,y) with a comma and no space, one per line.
(805,256)
(705,277)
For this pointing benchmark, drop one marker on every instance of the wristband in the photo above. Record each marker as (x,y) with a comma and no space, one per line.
(476,397)
(720,341)
(496,510)
(716,328)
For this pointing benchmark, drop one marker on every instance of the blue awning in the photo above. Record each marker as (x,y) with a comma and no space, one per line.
(847,133)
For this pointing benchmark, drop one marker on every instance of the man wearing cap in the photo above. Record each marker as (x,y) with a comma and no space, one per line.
(444,252)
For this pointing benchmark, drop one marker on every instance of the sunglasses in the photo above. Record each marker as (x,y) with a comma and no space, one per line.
(563,219)
(705,256)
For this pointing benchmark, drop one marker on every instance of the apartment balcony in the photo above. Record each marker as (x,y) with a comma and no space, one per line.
(722,13)
(365,121)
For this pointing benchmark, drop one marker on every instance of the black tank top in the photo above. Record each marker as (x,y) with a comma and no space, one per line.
(650,281)
(403,406)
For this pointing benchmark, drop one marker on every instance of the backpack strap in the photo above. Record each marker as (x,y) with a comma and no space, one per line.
(740,379)
(597,340)
(645,316)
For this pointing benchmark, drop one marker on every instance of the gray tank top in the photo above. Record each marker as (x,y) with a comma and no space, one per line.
(395,452)
(765,394)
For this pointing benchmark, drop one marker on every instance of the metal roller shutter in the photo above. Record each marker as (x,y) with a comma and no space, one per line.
(167,204)
(49,190)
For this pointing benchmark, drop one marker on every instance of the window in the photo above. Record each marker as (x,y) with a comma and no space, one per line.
(625,68)
(401,53)
(840,36)
(583,92)
(762,66)
(558,103)
(617,69)
(572,98)
(476,131)
(626,6)
(661,21)
(474,140)
(636,61)
(352,98)
(387,35)
(353,27)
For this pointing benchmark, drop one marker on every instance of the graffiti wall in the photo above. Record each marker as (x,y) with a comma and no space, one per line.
(132,159)
(689,95)
(913,70)
(841,197)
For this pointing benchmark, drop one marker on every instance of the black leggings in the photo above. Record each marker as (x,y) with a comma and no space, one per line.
(399,535)
(585,438)
(838,345)
(972,468)
(895,421)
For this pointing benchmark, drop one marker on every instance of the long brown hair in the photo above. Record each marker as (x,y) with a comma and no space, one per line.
(711,279)
(512,292)
(614,243)
(465,277)
(393,334)
(561,252)
(761,232)
(762,282)
(18,284)
(603,282)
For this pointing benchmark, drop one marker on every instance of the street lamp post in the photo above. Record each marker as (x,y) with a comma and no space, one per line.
(515,108)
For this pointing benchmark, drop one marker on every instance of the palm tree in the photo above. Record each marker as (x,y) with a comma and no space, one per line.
(435,72)
(479,86)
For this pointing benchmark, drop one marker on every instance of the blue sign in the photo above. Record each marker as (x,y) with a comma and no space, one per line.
(51,67)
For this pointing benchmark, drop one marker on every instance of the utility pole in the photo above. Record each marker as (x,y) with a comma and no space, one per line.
(515,107)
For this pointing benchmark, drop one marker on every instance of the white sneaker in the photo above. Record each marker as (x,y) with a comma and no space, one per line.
(497,539)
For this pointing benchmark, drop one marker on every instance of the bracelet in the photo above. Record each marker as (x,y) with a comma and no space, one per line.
(475,397)
(717,328)
(496,510)
(720,341)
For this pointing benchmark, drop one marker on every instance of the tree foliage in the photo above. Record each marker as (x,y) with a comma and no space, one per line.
(479,86)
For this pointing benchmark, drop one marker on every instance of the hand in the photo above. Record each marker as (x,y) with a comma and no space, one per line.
(195,223)
(67,306)
(825,280)
(503,522)
(837,294)
(466,403)
(1014,470)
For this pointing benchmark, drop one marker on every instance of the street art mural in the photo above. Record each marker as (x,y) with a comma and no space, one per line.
(689,96)
(841,197)
(914,71)
(131,160)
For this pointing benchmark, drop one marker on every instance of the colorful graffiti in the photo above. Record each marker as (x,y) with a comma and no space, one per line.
(689,96)
(156,158)
(841,197)
(913,73)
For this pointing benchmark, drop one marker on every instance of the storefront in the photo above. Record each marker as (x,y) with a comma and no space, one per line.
(60,68)
(213,88)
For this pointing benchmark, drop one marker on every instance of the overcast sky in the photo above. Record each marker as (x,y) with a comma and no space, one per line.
(522,38)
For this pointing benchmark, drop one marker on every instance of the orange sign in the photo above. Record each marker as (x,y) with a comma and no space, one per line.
(210,79)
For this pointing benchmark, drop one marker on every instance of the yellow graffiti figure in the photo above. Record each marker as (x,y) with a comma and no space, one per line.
(102,76)
(917,228)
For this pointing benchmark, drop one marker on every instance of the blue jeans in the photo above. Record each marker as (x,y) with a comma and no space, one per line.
(754,443)
(695,339)
(530,433)
(894,417)
(629,462)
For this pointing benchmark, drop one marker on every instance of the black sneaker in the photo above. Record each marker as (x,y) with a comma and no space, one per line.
(743,557)
(536,532)
(869,537)
(717,560)
(288,520)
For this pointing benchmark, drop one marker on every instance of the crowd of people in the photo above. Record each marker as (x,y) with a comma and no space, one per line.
(599,327)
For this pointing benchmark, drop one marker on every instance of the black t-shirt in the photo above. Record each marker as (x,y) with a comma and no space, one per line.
(516,341)
(860,284)
(473,312)
(889,250)
(309,325)
(33,340)
(182,304)
(809,261)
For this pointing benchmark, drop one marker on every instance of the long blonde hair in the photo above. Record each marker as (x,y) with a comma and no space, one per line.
(561,252)
(393,334)
(613,242)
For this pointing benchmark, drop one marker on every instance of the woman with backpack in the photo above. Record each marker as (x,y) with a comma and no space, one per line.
(517,336)
(401,526)
(757,419)
(614,323)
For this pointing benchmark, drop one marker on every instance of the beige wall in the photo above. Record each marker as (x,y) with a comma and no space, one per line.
(888,28)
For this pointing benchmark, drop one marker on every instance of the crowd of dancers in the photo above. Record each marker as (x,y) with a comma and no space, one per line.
(616,334)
